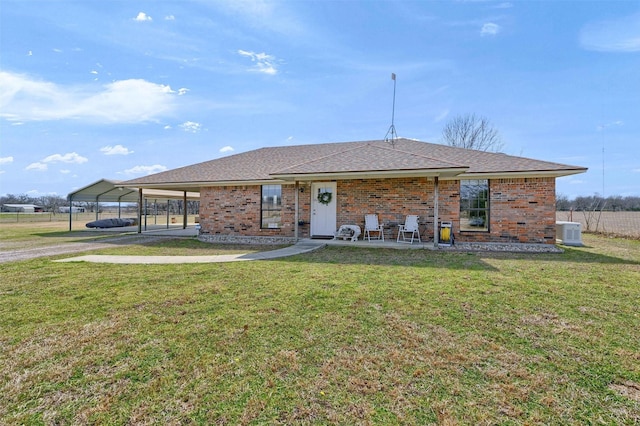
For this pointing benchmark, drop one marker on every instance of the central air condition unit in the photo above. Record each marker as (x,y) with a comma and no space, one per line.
(569,233)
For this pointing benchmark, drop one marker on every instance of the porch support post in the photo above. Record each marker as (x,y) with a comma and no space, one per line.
(296,216)
(184,206)
(435,212)
(140,207)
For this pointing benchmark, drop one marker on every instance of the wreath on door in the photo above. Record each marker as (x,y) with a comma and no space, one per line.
(324,198)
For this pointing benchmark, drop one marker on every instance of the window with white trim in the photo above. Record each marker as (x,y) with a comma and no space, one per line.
(474,205)
(271,207)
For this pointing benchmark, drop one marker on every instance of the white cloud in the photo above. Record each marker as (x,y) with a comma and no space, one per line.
(490,29)
(616,35)
(65,171)
(191,126)
(6,160)
(263,63)
(226,149)
(267,15)
(143,17)
(442,115)
(504,5)
(115,150)
(71,157)
(182,91)
(123,101)
(40,167)
(612,124)
(169,18)
(145,170)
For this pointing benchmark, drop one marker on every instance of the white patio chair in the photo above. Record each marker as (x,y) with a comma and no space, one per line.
(410,227)
(371,224)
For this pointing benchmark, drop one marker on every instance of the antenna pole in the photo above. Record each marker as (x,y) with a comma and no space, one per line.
(391,133)
(393,105)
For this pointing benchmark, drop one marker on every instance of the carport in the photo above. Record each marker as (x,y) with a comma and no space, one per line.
(110,191)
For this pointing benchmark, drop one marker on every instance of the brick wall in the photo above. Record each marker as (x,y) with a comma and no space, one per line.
(522,210)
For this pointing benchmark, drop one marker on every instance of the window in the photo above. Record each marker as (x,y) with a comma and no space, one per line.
(271,206)
(474,205)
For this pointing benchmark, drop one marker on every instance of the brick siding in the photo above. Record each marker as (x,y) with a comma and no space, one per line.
(521,210)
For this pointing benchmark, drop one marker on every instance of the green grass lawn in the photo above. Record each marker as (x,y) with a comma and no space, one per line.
(342,335)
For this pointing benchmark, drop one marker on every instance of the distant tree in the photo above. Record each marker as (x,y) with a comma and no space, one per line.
(17,199)
(472,132)
(562,203)
(51,203)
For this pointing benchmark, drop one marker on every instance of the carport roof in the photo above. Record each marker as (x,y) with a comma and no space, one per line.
(110,191)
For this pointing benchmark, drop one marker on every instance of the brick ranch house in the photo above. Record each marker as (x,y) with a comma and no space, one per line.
(275,194)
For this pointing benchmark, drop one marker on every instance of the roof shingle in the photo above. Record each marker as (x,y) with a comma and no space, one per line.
(348,157)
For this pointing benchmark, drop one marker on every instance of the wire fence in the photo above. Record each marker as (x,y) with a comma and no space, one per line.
(82,218)
(615,223)
(624,223)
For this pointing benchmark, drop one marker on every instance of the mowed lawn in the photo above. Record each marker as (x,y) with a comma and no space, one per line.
(342,335)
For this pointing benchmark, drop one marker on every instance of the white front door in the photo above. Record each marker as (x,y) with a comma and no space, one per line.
(323,215)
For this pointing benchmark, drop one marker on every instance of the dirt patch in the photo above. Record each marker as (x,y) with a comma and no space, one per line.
(627,389)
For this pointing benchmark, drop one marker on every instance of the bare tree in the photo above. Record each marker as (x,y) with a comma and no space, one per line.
(472,132)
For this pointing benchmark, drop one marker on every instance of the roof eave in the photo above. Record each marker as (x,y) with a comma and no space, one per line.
(195,186)
(385,174)
(521,174)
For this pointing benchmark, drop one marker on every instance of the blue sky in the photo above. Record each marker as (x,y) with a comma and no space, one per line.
(121,89)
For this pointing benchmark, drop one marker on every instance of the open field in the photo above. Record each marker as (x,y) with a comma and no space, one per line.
(616,223)
(343,335)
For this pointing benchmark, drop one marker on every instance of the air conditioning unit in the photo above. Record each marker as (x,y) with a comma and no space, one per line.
(569,233)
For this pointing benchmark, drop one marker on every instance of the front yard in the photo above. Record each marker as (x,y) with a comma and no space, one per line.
(342,335)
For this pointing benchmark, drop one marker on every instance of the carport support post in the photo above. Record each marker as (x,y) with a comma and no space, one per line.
(435,212)
(70,209)
(140,211)
(184,205)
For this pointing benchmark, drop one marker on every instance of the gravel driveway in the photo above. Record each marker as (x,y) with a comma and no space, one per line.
(54,250)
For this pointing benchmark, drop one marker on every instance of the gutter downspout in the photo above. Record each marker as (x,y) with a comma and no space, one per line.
(296,216)
(435,212)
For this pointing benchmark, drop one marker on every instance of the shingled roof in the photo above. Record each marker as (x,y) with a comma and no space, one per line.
(350,160)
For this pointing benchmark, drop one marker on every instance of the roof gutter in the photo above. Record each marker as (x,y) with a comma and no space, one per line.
(527,174)
(448,172)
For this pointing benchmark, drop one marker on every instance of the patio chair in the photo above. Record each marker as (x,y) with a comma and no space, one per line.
(410,227)
(371,224)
